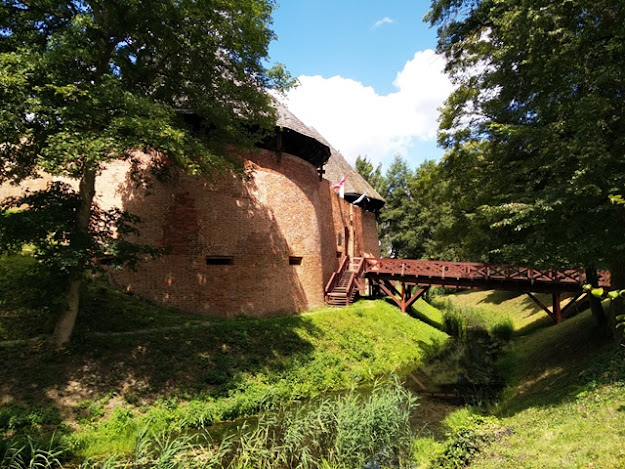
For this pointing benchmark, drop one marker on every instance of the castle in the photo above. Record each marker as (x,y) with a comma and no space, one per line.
(265,244)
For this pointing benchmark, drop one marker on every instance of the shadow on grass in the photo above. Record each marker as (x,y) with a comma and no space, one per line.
(497,297)
(426,319)
(534,326)
(554,363)
(207,360)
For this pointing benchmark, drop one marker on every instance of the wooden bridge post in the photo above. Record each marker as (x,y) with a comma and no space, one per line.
(557,310)
(403,296)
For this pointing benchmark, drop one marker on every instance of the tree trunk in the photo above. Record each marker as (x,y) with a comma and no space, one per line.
(65,324)
(66,321)
(596,307)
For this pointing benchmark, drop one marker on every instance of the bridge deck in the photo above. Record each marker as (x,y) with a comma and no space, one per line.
(406,280)
(479,276)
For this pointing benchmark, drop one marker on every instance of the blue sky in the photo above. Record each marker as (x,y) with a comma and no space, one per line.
(370,81)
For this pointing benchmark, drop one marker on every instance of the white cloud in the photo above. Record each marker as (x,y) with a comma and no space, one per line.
(358,121)
(385,20)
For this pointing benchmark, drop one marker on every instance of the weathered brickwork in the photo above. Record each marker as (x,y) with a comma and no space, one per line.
(256,223)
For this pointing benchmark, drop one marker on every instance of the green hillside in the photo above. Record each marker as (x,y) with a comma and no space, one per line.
(563,406)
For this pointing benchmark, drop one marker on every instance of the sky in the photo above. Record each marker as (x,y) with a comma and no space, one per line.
(370,81)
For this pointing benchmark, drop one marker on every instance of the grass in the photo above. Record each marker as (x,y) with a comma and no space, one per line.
(346,431)
(24,315)
(151,367)
(137,369)
(427,313)
(487,308)
(567,410)
(564,406)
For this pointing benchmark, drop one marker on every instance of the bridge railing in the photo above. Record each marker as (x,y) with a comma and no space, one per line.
(476,271)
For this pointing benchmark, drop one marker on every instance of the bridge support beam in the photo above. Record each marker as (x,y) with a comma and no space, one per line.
(540,303)
(557,309)
(577,303)
(557,312)
(406,297)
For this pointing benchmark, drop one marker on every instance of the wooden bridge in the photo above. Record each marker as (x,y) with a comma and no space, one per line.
(405,281)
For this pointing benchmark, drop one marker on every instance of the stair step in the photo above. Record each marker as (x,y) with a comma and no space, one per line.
(340,295)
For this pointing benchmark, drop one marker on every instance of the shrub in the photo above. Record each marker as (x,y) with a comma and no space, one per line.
(13,417)
(455,325)
(434,292)
(503,330)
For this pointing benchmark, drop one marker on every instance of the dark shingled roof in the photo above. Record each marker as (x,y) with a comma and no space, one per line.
(336,167)
(290,121)
(294,137)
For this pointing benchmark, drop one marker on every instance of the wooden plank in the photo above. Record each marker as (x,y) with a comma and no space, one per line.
(419,383)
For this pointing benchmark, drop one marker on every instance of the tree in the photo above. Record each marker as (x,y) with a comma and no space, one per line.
(540,93)
(396,220)
(417,217)
(87,82)
(373,176)
(433,214)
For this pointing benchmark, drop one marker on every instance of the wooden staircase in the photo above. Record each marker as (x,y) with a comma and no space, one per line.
(343,285)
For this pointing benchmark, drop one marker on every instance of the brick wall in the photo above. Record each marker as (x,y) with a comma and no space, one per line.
(280,210)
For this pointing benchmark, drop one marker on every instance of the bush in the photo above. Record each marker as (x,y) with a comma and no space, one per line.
(503,330)
(434,292)
(455,325)
(14,417)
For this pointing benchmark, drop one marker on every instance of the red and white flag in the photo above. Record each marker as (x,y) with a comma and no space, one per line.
(340,184)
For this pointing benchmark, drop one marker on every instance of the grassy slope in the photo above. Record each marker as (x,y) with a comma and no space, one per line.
(197,371)
(567,409)
(565,406)
(489,307)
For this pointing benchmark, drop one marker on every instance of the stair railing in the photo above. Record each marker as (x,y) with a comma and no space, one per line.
(354,280)
(336,276)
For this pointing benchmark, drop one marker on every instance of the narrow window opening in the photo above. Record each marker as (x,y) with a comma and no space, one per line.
(339,239)
(219,260)
(293,260)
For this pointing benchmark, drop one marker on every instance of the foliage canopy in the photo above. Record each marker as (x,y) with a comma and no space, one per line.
(540,93)
(87,82)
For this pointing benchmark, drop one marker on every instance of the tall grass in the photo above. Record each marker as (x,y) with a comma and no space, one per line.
(503,330)
(457,317)
(351,431)
(30,454)
(455,324)
(344,432)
